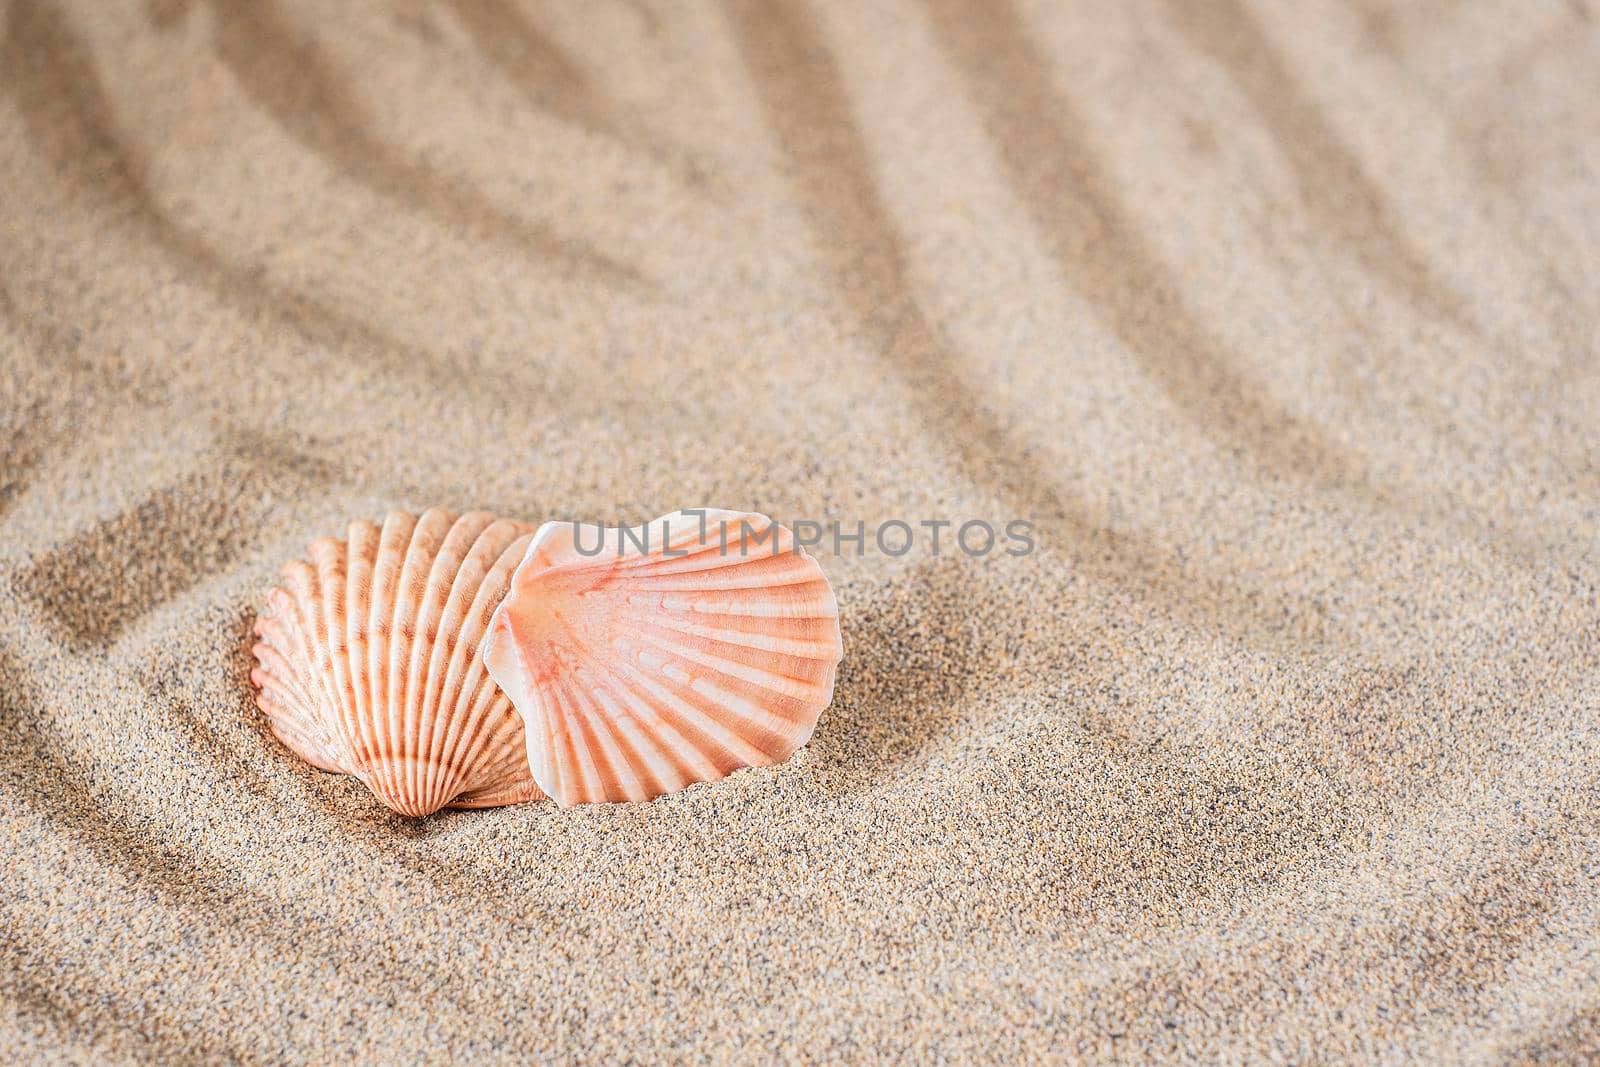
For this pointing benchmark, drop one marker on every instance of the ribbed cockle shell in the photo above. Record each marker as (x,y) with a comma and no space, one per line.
(646,659)
(369,663)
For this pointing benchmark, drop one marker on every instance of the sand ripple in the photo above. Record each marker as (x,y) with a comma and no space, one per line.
(1280,326)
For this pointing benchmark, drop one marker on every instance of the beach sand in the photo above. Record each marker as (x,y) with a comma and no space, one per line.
(1279,324)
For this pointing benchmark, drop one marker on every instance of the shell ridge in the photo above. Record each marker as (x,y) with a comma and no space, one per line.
(561,718)
(368,662)
(357,591)
(394,548)
(733,704)
(277,672)
(327,554)
(478,731)
(465,675)
(432,560)
(706,558)
(754,640)
(690,762)
(624,772)
(402,614)
(364,741)
(743,608)
(668,667)
(619,759)
(783,685)
(306,625)
(590,778)
(749,575)
(690,543)
(437,566)
(653,767)
(294,629)
(698,720)
(428,634)
(445,779)
(447,773)
(288,708)
(505,760)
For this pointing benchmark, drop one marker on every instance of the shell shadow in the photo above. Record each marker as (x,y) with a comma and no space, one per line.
(913,655)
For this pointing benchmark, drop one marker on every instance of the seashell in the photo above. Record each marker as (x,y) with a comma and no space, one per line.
(369,664)
(646,659)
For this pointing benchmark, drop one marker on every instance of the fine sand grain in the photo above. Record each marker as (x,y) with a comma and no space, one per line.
(1279,322)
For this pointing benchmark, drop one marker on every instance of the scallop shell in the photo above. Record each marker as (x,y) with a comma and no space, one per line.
(369,664)
(708,641)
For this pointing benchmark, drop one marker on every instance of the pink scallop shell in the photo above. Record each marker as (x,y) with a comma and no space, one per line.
(369,664)
(641,672)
